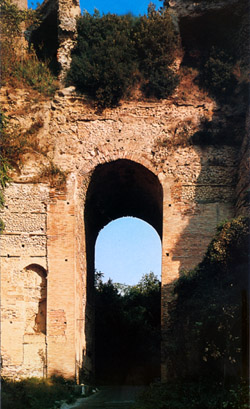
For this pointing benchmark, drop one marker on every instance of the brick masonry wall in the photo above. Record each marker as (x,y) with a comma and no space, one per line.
(23,281)
(46,226)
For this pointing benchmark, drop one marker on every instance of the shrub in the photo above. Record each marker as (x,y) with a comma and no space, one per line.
(18,64)
(156,42)
(218,74)
(103,61)
(127,328)
(35,393)
(207,338)
(194,395)
(207,330)
(114,52)
(36,74)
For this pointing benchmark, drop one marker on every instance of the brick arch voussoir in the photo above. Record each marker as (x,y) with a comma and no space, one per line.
(133,157)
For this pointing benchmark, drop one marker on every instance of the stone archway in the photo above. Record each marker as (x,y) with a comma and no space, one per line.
(118,188)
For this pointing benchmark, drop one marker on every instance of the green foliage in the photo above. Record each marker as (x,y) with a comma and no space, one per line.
(127,331)
(114,52)
(35,393)
(216,43)
(193,395)
(18,64)
(36,74)
(207,337)
(12,17)
(155,43)
(5,165)
(103,60)
(160,83)
(208,322)
(218,74)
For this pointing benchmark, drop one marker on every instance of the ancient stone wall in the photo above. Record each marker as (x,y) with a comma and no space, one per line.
(129,161)
(23,281)
(46,227)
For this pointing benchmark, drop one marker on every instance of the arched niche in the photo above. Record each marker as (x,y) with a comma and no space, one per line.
(35,294)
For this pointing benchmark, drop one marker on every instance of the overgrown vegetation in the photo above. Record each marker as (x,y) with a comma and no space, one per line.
(35,393)
(19,63)
(5,164)
(217,44)
(114,53)
(207,342)
(13,144)
(203,394)
(127,331)
(212,304)
(218,74)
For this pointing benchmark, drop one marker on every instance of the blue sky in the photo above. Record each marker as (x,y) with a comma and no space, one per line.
(126,249)
(118,7)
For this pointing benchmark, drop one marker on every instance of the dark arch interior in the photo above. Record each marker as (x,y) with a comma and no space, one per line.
(123,188)
(117,189)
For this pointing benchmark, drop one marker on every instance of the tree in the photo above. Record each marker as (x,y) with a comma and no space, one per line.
(115,52)
(208,323)
(103,62)
(128,331)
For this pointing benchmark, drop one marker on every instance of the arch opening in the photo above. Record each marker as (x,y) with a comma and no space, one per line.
(127,303)
(117,189)
(126,249)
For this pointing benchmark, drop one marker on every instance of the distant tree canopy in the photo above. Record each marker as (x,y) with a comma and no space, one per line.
(113,53)
(127,334)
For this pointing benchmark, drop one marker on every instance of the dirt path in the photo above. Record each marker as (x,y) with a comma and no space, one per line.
(112,397)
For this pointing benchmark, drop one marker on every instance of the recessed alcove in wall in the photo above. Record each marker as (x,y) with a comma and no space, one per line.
(35,294)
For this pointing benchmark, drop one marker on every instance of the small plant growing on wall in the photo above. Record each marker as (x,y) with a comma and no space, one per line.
(5,164)
(52,173)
